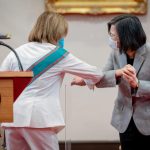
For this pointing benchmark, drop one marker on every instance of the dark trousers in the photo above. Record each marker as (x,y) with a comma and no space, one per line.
(132,139)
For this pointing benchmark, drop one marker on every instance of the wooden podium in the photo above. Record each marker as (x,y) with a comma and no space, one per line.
(11,86)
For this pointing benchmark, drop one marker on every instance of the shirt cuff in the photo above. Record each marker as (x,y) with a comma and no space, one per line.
(90,84)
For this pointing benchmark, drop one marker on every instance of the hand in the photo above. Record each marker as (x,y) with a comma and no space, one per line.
(129,73)
(78,81)
(128,69)
(119,72)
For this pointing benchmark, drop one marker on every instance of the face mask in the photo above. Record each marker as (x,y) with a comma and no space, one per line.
(112,44)
(61,43)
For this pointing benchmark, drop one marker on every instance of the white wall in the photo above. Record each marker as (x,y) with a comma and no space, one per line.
(87,113)
(17,18)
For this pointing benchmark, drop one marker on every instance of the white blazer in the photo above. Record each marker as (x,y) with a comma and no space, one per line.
(38,106)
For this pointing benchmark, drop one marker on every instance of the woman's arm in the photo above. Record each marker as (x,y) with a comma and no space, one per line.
(75,66)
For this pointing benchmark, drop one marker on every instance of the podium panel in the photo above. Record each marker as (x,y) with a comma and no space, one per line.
(6,100)
(11,86)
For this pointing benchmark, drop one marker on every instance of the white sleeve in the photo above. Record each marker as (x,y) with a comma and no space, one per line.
(89,83)
(75,66)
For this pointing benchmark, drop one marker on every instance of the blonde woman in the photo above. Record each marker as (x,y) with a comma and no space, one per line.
(37,111)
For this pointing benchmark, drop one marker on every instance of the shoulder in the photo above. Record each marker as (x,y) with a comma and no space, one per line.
(22,46)
(114,53)
(71,58)
(145,48)
(147,45)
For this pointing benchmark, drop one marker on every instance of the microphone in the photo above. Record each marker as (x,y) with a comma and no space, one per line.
(7,36)
(4,36)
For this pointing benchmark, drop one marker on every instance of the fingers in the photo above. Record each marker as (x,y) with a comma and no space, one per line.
(74,82)
(78,81)
(129,70)
(132,80)
(129,73)
(129,78)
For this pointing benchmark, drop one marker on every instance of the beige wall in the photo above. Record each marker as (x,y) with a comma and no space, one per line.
(87,113)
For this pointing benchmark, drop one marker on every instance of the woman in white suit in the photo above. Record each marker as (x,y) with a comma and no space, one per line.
(130,61)
(37,111)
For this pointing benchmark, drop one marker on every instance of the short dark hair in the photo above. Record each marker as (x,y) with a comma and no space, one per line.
(130,32)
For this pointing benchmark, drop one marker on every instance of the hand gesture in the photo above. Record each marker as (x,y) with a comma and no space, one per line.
(129,73)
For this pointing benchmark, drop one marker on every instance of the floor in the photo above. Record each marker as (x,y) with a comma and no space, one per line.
(78,146)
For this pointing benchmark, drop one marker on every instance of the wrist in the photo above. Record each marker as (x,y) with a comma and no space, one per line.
(137,81)
(118,73)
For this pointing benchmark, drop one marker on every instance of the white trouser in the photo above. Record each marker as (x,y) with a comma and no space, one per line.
(31,139)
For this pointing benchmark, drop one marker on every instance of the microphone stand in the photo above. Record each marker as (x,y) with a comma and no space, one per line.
(19,62)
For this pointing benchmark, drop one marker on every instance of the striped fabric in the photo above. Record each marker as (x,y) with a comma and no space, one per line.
(47,61)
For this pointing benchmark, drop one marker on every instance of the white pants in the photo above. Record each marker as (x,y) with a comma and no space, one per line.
(31,139)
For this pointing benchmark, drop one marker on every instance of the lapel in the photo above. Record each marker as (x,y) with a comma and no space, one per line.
(138,61)
(139,58)
(122,60)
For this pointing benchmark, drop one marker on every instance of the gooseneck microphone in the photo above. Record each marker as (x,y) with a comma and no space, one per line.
(4,36)
(6,45)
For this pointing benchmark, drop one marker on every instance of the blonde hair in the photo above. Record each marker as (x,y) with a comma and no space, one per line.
(50,27)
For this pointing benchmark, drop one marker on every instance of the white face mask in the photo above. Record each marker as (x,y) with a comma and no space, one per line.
(113,44)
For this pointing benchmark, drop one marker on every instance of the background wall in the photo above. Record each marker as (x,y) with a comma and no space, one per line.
(87,113)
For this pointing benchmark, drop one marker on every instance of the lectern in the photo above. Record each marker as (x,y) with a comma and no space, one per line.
(11,86)
(12,83)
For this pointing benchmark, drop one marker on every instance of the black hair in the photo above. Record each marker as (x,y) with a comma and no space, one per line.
(130,32)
